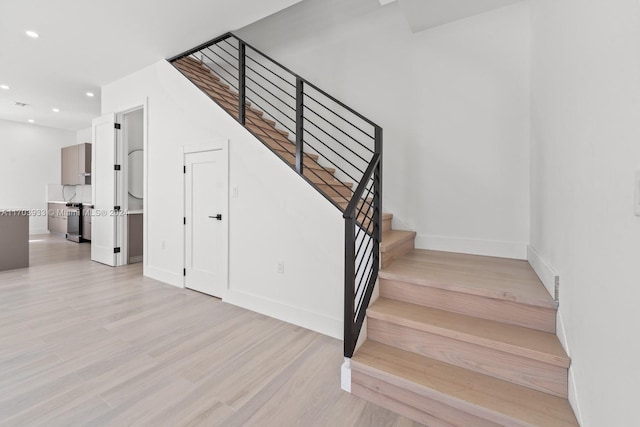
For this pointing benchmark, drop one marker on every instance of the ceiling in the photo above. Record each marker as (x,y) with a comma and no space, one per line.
(84,45)
(425,14)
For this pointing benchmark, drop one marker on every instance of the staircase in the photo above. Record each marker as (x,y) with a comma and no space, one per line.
(461,340)
(334,148)
(266,130)
(453,340)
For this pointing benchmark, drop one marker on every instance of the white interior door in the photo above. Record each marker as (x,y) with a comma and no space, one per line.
(206,228)
(103,179)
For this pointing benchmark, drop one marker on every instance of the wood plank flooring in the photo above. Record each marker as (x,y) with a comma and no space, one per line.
(82,344)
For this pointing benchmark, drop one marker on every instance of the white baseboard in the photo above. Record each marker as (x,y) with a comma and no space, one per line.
(164,276)
(345,375)
(317,322)
(573,389)
(548,276)
(515,250)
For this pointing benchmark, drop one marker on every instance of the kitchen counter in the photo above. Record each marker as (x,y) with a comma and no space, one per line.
(14,235)
(70,201)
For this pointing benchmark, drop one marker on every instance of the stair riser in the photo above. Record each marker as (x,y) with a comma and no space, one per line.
(317,175)
(337,190)
(200,75)
(206,81)
(263,128)
(406,403)
(290,158)
(509,367)
(390,255)
(278,144)
(540,318)
(386,224)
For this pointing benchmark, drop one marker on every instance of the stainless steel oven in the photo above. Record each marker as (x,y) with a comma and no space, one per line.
(74,222)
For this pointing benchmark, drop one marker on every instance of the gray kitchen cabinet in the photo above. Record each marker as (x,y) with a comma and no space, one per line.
(76,164)
(135,238)
(57,218)
(86,223)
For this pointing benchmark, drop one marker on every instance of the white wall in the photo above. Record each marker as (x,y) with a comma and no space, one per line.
(453,102)
(276,216)
(83,135)
(585,152)
(29,160)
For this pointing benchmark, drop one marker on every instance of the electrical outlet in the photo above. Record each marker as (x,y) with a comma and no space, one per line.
(281,267)
(637,194)
(234,193)
(163,245)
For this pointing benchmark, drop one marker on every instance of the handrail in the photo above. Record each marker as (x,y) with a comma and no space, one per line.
(305,81)
(345,146)
(357,195)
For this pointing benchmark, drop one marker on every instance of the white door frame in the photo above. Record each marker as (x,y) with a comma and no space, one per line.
(199,148)
(123,160)
(123,225)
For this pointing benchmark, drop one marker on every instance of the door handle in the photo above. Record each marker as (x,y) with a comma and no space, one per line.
(218,217)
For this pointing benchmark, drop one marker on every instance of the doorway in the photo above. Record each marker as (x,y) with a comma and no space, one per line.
(119,187)
(133,182)
(206,221)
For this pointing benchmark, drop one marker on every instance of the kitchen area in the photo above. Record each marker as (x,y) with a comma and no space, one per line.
(70,204)
(48,193)
(69,207)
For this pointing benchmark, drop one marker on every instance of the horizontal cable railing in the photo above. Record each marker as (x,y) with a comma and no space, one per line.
(333,147)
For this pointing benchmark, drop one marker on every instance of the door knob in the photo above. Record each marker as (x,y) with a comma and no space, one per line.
(218,217)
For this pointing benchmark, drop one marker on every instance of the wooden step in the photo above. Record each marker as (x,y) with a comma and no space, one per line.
(519,355)
(315,172)
(265,129)
(386,221)
(336,190)
(204,76)
(310,159)
(364,205)
(284,147)
(195,67)
(395,243)
(422,388)
(497,289)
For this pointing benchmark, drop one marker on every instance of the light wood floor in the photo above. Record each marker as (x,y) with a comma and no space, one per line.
(85,344)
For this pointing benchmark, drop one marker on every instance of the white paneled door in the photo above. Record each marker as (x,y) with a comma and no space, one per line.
(206,216)
(103,240)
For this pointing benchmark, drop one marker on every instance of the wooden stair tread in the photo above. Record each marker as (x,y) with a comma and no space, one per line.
(343,203)
(500,278)
(481,395)
(386,215)
(526,342)
(394,238)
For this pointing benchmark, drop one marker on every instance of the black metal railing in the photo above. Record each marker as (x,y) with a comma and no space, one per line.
(334,148)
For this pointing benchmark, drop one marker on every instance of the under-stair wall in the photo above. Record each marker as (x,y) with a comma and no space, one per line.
(275,216)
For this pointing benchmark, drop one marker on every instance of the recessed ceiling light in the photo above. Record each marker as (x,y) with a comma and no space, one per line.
(32,34)
(5,87)
(90,94)
(55,110)
(31,121)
